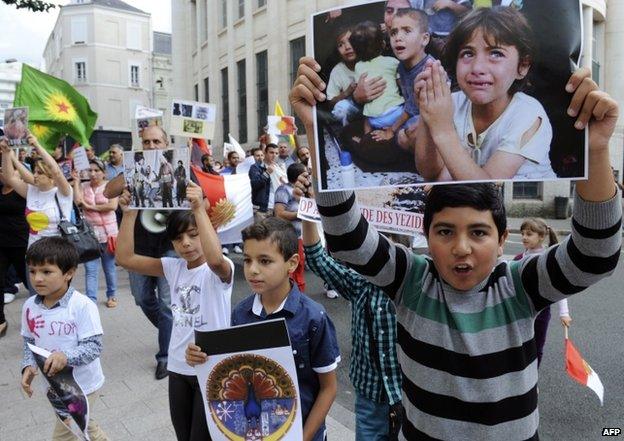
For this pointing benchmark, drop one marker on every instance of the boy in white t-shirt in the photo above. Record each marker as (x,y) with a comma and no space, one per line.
(62,321)
(201,288)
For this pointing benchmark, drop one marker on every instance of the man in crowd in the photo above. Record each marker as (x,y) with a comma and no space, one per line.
(285,157)
(115,161)
(233,160)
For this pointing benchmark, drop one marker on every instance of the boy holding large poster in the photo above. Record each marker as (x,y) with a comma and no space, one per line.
(465,320)
(270,258)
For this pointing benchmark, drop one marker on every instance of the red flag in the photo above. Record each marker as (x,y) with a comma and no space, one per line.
(200,148)
(230,203)
(581,371)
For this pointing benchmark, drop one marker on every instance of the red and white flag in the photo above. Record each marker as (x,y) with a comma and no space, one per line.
(230,203)
(581,371)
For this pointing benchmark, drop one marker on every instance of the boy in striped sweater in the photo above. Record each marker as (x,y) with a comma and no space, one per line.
(465,319)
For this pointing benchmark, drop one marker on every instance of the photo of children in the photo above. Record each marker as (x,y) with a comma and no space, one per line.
(421,92)
(16,126)
(192,119)
(155,178)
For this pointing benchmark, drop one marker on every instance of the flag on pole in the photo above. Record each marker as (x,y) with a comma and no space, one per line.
(280,112)
(55,108)
(230,203)
(581,371)
(199,148)
(281,125)
(234,146)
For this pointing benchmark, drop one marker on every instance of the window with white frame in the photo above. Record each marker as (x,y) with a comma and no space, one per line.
(223,11)
(134,75)
(133,35)
(241,8)
(79,30)
(528,190)
(80,71)
(261,3)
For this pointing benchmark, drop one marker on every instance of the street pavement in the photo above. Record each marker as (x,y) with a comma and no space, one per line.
(132,405)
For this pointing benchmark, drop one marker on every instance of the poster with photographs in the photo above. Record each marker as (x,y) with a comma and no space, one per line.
(144,117)
(16,126)
(499,104)
(67,398)
(192,119)
(249,383)
(157,179)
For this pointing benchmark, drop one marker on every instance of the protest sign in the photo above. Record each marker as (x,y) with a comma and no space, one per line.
(249,383)
(157,178)
(67,398)
(192,119)
(16,126)
(527,135)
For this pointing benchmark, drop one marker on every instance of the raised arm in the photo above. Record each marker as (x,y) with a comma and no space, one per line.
(124,253)
(8,172)
(57,174)
(207,235)
(24,173)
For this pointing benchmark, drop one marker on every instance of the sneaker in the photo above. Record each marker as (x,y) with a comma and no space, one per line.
(331,294)
(238,250)
(225,251)
(8,298)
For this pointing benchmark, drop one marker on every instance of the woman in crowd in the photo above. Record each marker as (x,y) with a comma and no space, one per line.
(100,213)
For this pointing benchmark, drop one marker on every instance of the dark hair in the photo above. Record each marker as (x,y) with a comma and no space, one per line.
(98,163)
(255,149)
(540,227)
(54,250)
(418,15)
(205,156)
(138,156)
(294,170)
(480,196)
(178,222)
(271,146)
(278,231)
(229,155)
(341,31)
(367,40)
(500,25)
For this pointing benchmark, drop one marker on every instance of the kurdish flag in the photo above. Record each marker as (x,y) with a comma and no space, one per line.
(581,371)
(54,108)
(278,111)
(229,197)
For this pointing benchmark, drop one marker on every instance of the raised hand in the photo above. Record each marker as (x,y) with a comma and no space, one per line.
(307,90)
(125,199)
(195,195)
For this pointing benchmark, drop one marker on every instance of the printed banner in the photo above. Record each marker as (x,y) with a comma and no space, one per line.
(192,119)
(249,383)
(67,398)
(496,126)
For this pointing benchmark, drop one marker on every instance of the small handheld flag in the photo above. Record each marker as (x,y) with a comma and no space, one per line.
(580,370)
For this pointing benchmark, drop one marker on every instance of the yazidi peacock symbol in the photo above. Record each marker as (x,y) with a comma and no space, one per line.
(251,398)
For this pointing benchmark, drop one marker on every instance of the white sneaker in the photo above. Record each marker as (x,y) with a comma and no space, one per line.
(8,298)
(331,294)
(238,250)
(225,251)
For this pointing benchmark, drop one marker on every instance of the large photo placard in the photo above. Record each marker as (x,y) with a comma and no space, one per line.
(418,93)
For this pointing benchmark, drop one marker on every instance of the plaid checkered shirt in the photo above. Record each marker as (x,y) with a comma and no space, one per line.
(376,379)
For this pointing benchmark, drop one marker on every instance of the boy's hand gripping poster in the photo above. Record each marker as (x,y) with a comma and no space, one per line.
(421,94)
(249,383)
(66,396)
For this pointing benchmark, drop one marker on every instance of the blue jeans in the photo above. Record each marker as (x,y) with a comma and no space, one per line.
(371,419)
(92,275)
(153,296)
(387,118)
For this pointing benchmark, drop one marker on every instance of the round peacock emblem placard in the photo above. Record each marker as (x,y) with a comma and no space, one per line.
(251,398)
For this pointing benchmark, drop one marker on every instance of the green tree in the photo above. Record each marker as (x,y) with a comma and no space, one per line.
(33,5)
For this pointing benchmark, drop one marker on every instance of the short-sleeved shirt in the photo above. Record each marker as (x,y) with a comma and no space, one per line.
(199,300)
(312,337)
(406,82)
(62,327)
(442,22)
(112,171)
(42,213)
(386,68)
(14,229)
(505,134)
(340,78)
(284,196)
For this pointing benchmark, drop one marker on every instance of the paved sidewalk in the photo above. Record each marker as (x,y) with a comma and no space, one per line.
(132,405)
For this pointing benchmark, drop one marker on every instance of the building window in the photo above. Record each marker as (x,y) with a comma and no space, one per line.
(79,30)
(225,104)
(262,82)
(241,8)
(196,92)
(80,71)
(242,101)
(223,13)
(261,3)
(206,90)
(133,35)
(297,50)
(527,190)
(134,75)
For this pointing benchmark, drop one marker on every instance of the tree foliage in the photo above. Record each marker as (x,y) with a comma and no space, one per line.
(33,5)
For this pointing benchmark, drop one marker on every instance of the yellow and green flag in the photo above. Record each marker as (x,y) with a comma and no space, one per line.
(55,108)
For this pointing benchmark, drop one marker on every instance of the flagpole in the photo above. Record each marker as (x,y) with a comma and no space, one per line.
(565,331)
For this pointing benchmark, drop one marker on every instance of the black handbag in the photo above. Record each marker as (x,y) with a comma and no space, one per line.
(80,234)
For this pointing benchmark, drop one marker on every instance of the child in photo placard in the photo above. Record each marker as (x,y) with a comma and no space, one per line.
(489,129)
(342,80)
(63,321)
(201,288)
